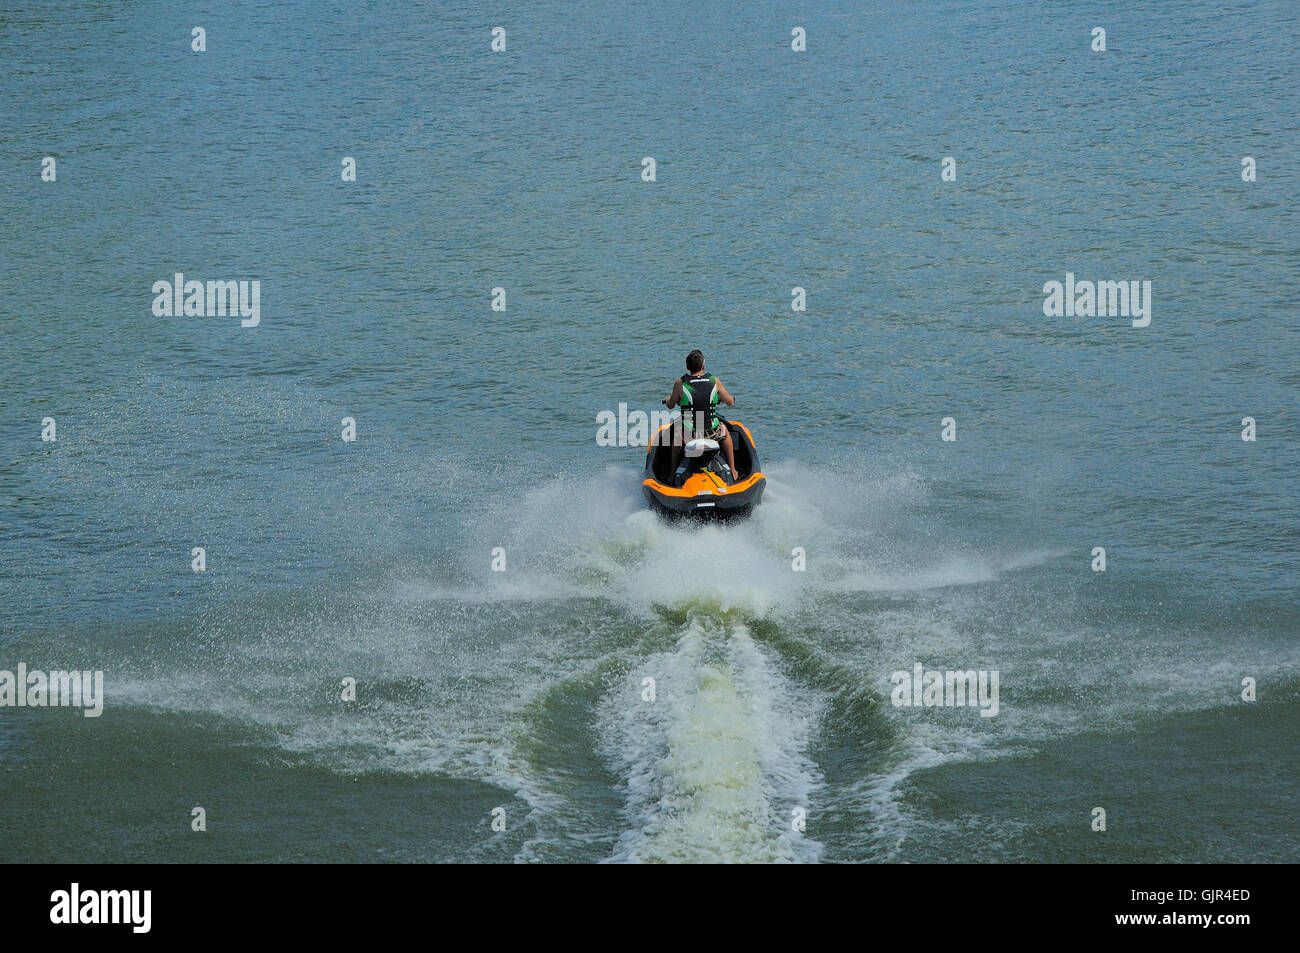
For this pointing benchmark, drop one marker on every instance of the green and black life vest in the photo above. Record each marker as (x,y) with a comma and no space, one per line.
(699,397)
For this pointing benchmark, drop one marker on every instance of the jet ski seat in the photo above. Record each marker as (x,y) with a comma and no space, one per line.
(700,446)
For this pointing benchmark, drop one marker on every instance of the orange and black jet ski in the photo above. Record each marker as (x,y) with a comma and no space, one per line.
(702,485)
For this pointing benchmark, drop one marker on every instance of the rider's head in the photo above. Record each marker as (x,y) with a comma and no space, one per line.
(695,361)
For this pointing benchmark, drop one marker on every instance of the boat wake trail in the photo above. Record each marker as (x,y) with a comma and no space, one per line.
(710,738)
(712,717)
(643,691)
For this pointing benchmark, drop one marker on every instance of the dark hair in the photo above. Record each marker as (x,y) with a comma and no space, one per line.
(695,361)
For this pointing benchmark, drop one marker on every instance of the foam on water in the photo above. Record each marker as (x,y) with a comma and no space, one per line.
(714,764)
(454,660)
(714,767)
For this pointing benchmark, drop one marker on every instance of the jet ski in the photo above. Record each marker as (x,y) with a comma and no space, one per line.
(702,486)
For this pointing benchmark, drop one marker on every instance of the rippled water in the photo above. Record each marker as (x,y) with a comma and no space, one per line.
(526,689)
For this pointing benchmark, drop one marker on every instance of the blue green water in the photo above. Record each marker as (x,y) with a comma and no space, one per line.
(476,429)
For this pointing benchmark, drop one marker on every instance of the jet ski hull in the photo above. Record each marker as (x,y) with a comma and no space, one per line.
(705,495)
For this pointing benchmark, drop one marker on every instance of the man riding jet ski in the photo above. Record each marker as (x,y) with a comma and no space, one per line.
(702,484)
(699,393)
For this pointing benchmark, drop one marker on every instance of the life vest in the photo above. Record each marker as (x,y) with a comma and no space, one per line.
(699,402)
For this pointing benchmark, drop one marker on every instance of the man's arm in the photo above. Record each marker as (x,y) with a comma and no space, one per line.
(675,396)
(726,398)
